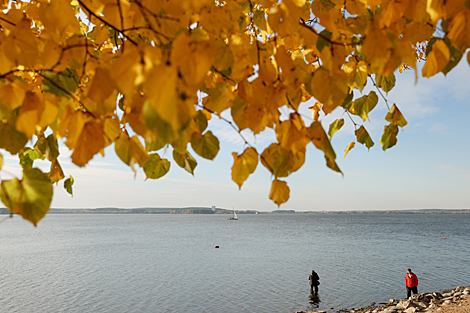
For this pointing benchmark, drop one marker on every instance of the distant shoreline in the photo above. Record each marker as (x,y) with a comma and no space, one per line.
(206,210)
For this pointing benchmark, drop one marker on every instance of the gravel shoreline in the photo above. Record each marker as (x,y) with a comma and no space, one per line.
(454,301)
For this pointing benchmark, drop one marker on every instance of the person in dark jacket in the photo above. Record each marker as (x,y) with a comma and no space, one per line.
(411,282)
(314,281)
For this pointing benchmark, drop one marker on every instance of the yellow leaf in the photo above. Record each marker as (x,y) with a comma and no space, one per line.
(279,192)
(291,134)
(30,197)
(90,142)
(394,116)
(56,174)
(218,99)
(281,162)
(284,18)
(102,86)
(355,7)
(74,125)
(437,59)
(330,90)
(11,139)
(12,95)
(172,105)
(320,140)
(459,33)
(223,56)
(111,130)
(130,151)
(29,114)
(393,12)
(357,73)
(254,111)
(193,59)
(243,165)
(1,161)
(364,105)
(376,44)
(349,148)
(316,108)
(363,137)
(186,161)
(334,127)
(417,32)
(59,17)
(22,45)
(416,11)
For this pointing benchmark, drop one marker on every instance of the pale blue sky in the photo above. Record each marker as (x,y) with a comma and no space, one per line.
(428,168)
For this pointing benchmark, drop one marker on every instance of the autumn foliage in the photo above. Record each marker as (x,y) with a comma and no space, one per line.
(149,74)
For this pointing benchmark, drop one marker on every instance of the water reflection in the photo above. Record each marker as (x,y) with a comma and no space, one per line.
(314,300)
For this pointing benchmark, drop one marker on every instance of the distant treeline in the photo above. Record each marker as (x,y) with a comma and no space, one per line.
(205,210)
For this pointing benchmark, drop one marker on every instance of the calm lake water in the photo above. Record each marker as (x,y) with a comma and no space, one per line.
(168,263)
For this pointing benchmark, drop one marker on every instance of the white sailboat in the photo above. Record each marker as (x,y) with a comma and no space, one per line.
(234,217)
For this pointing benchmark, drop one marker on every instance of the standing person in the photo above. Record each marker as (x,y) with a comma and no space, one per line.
(314,281)
(411,282)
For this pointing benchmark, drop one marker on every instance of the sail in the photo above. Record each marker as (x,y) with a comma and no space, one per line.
(235,215)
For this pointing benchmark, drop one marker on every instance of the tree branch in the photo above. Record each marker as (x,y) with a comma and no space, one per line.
(105,22)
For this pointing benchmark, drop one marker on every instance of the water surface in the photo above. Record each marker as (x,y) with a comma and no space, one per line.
(168,263)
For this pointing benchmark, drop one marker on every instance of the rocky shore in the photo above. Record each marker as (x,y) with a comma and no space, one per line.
(454,301)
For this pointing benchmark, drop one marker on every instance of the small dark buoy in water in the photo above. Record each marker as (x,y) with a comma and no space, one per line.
(444,237)
(217,247)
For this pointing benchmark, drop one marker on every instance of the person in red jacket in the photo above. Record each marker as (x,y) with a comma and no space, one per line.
(411,282)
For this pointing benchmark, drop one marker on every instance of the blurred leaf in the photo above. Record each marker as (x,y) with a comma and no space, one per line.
(279,192)
(363,137)
(30,197)
(52,148)
(27,157)
(130,151)
(155,145)
(349,148)
(63,84)
(389,136)
(68,183)
(394,116)
(56,174)
(364,105)
(244,165)
(386,83)
(206,146)
(185,161)
(320,140)
(12,140)
(155,167)
(334,127)
(437,59)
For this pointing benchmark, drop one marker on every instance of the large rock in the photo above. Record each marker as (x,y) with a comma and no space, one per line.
(437,294)
(447,298)
(421,305)
(460,288)
(435,301)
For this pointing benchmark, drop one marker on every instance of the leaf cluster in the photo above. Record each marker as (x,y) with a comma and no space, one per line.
(147,75)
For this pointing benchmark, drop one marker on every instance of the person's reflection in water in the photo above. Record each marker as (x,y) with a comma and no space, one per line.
(314,300)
